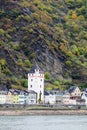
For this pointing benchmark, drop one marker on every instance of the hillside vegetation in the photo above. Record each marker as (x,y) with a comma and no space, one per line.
(51,33)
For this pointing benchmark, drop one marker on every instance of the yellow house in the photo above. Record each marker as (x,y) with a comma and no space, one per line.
(15,99)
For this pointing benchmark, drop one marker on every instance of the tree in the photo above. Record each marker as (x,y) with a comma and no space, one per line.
(39,100)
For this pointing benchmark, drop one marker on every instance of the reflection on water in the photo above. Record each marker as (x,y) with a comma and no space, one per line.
(43,122)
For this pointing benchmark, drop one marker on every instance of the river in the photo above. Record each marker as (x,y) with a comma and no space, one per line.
(59,122)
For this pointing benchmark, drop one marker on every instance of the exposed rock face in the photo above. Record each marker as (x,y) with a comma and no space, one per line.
(50,63)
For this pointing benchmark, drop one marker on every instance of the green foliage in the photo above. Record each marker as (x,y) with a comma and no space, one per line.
(2,32)
(2,62)
(15,12)
(31,30)
(47,76)
(56,82)
(69,63)
(25,83)
(7,72)
(28,26)
(27,63)
(83,86)
(22,17)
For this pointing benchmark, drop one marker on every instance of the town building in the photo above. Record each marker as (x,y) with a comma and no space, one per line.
(67,100)
(3,95)
(75,92)
(15,97)
(84,96)
(22,99)
(57,94)
(32,98)
(36,82)
(9,97)
(49,98)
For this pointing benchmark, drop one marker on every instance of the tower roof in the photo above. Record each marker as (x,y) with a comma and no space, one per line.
(36,68)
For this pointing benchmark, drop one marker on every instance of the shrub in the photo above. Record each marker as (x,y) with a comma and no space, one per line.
(56,83)
(47,76)
(69,63)
(2,62)
(30,30)
(25,83)
(2,32)
(27,63)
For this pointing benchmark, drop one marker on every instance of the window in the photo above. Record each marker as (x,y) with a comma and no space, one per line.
(40,86)
(31,86)
(31,79)
(40,79)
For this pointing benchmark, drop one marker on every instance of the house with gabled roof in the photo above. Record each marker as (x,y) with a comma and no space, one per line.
(36,82)
(75,92)
(15,96)
(49,98)
(22,97)
(9,97)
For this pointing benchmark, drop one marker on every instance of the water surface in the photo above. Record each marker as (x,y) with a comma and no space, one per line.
(43,122)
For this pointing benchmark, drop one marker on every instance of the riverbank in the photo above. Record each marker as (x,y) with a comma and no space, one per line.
(42,112)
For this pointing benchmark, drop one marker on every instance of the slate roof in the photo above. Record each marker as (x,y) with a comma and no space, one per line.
(86,90)
(86,95)
(14,91)
(54,92)
(46,93)
(36,67)
(72,88)
(3,92)
(31,91)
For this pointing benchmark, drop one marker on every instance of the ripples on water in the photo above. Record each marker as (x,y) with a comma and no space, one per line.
(43,122)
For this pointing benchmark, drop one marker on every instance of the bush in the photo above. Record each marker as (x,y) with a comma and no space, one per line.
(68,63)
(47,76)
(27,63)
(25,83)
(56,83)
(2,32)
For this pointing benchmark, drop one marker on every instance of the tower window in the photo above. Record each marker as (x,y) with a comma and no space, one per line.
(40,86)
(31,86)
(31,79)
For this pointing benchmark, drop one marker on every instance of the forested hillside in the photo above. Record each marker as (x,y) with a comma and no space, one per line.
(50,33)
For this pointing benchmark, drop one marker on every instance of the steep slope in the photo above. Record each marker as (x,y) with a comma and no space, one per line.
(51,33)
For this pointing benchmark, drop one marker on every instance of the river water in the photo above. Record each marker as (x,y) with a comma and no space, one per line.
(43,122)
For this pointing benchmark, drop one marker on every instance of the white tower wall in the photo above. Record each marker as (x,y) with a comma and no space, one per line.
(36,83)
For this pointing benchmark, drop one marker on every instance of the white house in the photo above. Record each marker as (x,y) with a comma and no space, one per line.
(84,96)
(3,95)
(21,97)
(49,98)
(32,98)
(36,82)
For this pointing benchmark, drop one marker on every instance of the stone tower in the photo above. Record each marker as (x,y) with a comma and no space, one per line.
(36,82)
